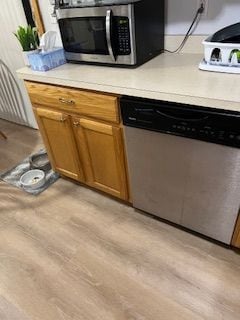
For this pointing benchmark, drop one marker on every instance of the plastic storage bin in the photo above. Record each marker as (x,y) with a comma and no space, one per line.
(222,51)
(47,60)
(223,54)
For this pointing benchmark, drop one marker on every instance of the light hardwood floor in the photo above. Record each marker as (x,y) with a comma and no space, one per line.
(71,253)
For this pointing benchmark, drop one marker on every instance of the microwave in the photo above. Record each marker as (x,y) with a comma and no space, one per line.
(123,35)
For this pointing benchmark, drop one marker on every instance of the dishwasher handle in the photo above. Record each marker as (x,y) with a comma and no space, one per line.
(197,119)
(169,114)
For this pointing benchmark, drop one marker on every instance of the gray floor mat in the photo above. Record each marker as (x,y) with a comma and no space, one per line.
(13,176)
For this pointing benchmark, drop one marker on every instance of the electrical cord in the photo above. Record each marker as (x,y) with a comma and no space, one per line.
(193,25)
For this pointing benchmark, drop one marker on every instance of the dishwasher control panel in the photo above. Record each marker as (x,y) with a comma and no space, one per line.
(211,125)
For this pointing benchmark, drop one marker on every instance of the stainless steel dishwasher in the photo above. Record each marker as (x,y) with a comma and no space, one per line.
(184,164)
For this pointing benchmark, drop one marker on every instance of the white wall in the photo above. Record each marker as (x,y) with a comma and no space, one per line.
(179,14)
(220,14)
(49,22)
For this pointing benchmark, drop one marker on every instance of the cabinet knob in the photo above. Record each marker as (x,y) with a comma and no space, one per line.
(76,123)
(66,101)
(63,119)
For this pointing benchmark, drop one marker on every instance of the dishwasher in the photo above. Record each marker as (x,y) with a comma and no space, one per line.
(184,164)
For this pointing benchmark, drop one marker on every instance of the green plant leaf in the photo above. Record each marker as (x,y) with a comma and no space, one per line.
(28,37)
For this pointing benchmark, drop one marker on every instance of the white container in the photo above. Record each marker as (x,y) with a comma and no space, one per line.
(223,54)
(33,179)
(222,50)
(221,57)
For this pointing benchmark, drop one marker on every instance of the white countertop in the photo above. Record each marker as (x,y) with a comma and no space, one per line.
(170,77)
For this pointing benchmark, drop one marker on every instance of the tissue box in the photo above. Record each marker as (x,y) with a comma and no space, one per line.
(47,60)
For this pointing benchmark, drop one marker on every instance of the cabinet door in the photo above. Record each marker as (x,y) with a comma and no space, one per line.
(102,153)
(236,234)
(56,130)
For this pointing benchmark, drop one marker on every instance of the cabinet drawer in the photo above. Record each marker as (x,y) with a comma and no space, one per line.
(96,105)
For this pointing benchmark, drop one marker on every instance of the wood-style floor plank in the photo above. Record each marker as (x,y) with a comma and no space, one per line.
(74,254)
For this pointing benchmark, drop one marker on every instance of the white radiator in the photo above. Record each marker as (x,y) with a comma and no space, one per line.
(14,102)
(11,100)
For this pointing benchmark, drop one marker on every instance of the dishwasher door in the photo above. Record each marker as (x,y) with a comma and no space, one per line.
(192,183)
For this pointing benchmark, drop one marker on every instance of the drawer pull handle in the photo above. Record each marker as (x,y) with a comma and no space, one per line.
(76,124)
(63,119)
(65,101)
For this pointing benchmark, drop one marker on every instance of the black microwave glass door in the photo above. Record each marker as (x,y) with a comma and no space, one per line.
(84,35)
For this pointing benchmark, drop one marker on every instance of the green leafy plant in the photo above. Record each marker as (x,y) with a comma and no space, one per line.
(28,38)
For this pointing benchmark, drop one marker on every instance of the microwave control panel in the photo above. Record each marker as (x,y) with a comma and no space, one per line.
(123,32)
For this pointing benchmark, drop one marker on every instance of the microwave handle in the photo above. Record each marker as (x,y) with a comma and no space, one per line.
(108,34)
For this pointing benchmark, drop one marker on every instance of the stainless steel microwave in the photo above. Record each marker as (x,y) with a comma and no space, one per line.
(128,34)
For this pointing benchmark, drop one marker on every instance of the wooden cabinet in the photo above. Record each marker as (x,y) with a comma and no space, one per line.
(83,135)
(56,130)
(90,104)
(101,149)
(236,235)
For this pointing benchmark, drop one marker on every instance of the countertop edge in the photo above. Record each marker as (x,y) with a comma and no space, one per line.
(171,97)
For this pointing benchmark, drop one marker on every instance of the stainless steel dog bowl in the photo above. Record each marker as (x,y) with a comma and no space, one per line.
(33,179)
(40,161)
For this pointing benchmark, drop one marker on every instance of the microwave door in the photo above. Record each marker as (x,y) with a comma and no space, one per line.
(98,34)
(84,35)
